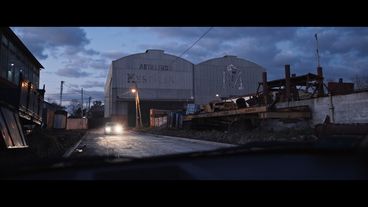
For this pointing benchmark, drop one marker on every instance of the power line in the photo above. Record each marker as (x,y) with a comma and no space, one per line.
(204,34)
(77,90)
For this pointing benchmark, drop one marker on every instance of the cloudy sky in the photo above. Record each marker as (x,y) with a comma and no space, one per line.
(80,56)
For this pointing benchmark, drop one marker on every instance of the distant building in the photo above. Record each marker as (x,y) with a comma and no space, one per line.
(340,88)
(48,114)
(169,82)
(21,99)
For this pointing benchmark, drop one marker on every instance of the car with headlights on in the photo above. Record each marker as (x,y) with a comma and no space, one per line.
(113,128)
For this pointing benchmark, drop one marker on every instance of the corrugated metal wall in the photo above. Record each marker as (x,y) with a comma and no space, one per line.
(225,76)
(164,77)
(158,76)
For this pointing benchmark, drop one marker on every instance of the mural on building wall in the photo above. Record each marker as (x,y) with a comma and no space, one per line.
(231,78)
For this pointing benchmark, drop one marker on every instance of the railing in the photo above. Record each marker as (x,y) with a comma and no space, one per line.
(30,102)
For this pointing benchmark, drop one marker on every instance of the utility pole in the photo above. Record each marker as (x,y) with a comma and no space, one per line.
(89,103)
(61,92)
(318,59)
(319,71)
(82,100)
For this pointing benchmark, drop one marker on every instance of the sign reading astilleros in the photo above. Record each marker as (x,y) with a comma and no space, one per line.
(153,67)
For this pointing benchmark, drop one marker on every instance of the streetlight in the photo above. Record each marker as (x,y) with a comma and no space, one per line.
(138,120)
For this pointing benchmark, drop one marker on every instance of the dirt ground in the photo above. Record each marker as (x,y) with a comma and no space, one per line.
(45,144)
(239,137)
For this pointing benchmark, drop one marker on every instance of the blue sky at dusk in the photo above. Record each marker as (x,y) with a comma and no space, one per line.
(81,56)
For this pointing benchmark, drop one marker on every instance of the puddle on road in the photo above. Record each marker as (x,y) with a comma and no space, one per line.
(80,149)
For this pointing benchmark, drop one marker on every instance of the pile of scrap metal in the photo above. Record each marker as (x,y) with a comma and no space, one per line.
(290,88)
(261,105)
(215,106)
(166,118)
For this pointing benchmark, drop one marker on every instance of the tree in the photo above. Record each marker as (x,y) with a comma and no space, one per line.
(75,109)
(57,106)
(96,110)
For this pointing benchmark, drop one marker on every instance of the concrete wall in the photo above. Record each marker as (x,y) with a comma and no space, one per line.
(77,124)
(351,108)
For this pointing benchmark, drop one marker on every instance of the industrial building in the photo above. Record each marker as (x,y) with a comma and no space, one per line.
(169,82)
(163,81)
(225,77)
(21,99)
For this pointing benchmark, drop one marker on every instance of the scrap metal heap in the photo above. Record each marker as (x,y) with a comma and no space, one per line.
(251,108)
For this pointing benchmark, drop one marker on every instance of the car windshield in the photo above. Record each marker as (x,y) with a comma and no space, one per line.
(85,92)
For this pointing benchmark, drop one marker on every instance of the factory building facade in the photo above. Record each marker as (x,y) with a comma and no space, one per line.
(224,77)
(169,82)
(163,81)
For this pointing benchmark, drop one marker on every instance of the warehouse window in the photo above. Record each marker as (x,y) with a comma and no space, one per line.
(11,66)
(35,80)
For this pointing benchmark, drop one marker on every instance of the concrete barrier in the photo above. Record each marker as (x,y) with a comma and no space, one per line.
(350,108)
(80,123)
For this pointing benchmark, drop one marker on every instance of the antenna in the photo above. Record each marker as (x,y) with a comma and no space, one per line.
(318,59)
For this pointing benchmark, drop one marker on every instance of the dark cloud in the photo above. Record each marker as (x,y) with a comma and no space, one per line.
(71,85)
(102,75)
(98,64)
(113,55)
(343,51)
(42,41)
(76,94)
(85,63)
(70,95)
(180,32)
(72,73)
(93,84)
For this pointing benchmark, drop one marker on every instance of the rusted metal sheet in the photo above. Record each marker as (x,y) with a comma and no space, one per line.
(285,115)
(304,108)
(11,129)
(249,110)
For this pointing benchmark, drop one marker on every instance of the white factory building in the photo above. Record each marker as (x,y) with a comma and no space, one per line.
(169,82)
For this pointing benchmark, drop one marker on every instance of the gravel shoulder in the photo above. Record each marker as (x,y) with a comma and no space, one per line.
(237,138)
(45,144)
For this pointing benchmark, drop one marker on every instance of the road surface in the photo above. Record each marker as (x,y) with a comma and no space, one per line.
(133,144)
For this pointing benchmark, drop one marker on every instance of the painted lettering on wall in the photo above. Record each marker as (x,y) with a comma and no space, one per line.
(154,67)
(132,77)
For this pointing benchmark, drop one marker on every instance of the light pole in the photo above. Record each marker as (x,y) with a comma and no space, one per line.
(138,120)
